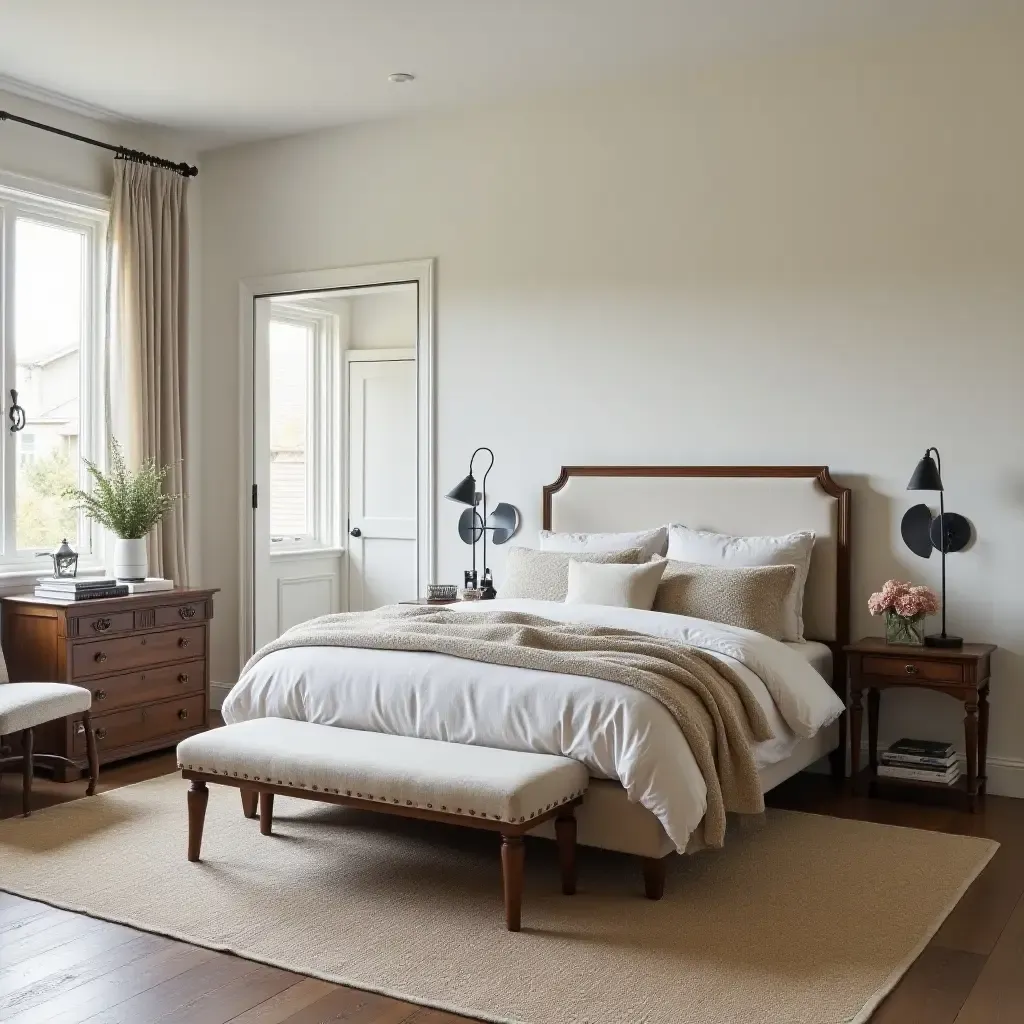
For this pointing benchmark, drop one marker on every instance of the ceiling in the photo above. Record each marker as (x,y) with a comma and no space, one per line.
(228,70)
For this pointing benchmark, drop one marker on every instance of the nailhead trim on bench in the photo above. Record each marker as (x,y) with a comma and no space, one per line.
(384,799)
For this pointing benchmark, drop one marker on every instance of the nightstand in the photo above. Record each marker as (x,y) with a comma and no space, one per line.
(961,672)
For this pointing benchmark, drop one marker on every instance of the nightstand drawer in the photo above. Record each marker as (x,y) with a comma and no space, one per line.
(910,668)
(104,656)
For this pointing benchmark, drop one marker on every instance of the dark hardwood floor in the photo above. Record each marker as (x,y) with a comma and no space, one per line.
(62,968)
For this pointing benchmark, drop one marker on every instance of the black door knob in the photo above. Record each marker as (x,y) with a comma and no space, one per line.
(356,532)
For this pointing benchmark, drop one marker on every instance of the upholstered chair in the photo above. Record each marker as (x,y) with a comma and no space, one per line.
(23,707)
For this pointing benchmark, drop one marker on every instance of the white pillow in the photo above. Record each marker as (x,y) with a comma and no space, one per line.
(622,586)
(706,548)
(652,541)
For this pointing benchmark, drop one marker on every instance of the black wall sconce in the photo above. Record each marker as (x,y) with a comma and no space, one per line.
(474,525)
(947,531)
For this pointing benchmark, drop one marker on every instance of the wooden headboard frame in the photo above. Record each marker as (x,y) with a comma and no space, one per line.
(843,536)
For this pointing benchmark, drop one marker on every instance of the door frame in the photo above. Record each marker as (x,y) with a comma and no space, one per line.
(418,272)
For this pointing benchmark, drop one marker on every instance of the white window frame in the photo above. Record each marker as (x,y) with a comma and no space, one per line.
(89,213)
(324,481)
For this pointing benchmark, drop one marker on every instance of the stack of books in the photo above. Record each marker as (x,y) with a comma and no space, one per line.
(921,761)
(56,588)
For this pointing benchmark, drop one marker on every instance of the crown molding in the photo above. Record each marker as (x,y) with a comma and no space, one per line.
(80,108)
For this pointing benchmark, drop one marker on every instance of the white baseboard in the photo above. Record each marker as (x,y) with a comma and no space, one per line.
(1005,774)
(218,691)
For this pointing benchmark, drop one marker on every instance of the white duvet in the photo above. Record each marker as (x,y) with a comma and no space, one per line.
(616,731)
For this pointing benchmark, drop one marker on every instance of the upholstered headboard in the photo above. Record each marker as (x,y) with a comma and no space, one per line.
(728,499)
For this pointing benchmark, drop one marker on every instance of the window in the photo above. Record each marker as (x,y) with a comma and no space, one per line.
(302,403)
(50,348)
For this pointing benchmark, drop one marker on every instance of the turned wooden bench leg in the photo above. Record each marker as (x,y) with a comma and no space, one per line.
(249,798)
(90,749)
(26,772)
(198,798)
(512,878)
(565,832)
(654,877)
(266,813)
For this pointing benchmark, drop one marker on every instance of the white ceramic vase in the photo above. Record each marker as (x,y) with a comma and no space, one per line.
(131,561)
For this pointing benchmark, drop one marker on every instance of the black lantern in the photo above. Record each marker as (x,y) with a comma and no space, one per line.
(65,561)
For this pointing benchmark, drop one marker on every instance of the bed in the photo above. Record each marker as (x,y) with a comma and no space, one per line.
(645,798)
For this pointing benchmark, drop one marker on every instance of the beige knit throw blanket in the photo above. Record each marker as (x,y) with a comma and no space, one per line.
(715,711)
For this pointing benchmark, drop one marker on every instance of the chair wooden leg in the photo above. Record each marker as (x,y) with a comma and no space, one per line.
(266,813)
(654,877)
(512,877)
(249,800)
(198,798)
(565,832)
(26,772)
(90,748)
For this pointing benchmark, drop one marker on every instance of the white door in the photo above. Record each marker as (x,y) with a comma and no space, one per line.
(382,488)
(297,559)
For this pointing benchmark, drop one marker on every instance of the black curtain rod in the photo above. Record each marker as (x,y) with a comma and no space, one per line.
(125,154)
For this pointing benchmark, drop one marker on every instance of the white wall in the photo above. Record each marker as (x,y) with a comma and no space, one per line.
(50,158)
(811,258)
(384,320)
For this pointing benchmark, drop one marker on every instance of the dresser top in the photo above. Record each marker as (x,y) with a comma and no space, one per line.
(113,604)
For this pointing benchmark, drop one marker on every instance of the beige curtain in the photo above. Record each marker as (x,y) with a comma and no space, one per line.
(147,266)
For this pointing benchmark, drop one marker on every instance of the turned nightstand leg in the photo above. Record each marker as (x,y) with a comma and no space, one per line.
(971,737)
(856,718)
(983,740)
(874,700)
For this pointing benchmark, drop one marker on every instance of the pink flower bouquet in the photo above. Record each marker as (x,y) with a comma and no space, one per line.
(904,607)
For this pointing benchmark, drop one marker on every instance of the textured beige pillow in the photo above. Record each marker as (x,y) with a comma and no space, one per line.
(544,575)
(621,586)
(752,597)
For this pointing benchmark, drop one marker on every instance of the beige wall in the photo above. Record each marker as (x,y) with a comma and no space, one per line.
(812,258)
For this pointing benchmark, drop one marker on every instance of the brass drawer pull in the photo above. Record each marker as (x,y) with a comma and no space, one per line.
(183,641)
(100,694)
(182,677)
(911,670)
(187,611)
(183,713)
(101,733)
(101,625)
(99,656)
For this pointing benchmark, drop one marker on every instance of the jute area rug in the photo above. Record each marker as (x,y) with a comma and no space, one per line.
(806,920)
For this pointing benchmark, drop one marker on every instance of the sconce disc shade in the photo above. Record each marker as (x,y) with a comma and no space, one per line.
(471,526)
(503,521)
(958,532)
(915,527)
(464,492)
(926,476)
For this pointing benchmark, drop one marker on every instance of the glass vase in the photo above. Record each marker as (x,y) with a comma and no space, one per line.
(904,629)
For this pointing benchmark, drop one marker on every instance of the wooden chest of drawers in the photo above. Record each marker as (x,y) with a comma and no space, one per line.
(144,658)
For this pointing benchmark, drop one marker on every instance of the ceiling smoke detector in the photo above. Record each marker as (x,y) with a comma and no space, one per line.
(401,76)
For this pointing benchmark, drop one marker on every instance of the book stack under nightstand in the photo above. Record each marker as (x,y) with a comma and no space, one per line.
(920,761)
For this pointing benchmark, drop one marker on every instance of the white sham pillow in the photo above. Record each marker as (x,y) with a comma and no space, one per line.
(707,548)
(621,586)
(651,541)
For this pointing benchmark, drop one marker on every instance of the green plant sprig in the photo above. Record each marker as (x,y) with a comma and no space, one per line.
(128,504)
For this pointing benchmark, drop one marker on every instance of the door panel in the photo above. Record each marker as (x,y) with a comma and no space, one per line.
(382,482)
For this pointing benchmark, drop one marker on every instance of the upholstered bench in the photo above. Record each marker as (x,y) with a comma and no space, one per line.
(504,791)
